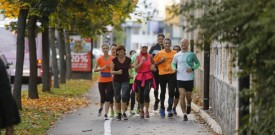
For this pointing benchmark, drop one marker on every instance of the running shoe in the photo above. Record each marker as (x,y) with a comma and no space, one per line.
(99,112)
(185,118)
(162,112)
(147,115)
(118,117)
(174,111)
(156,105)
(124,116)
(132,112)
(188,109)
(170,113)
(141,114)
(111,114)
(105,117)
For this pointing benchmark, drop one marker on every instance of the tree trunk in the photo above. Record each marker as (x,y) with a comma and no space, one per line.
(68,56)
(33,92)
(62,61)
(54,59)
(23,13)
(46,77)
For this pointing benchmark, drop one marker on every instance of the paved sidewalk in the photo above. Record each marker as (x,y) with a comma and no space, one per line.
(86,121)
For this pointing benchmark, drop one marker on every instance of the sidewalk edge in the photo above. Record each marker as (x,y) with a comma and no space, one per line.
(210,121)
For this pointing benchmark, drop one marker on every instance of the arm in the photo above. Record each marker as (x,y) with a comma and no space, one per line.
(113,70)
(196,61)
(174,64)
(158,60)
(97,69)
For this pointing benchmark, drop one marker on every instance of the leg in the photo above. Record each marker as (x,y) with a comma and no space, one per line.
(125,96)
(156,91)
(163,83)
(171,89)
(117,91)
(189,88)
(101,88)
(147,89)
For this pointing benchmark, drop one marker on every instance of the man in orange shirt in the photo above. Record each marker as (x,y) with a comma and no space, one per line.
(163,60)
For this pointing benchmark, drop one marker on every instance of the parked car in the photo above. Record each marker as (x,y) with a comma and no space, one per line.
(7,65)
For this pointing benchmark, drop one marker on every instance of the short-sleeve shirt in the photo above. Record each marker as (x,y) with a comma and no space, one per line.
(181,59)
(166,66)
(102,62)
(125,66)
(155,49)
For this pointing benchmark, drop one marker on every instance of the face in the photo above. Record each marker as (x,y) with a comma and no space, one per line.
(133,52)
(184,44)
(144,49)
(105,49)
(113,50)
(160,39)
(176,48)
(120,53)
(167,44)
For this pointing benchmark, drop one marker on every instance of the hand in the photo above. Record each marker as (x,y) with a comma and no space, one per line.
(153,68)
(131,76)
(162,59)
(189,70)
(143,59)
(119,72)
(105,67)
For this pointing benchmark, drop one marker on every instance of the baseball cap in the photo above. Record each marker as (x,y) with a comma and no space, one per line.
(144,45)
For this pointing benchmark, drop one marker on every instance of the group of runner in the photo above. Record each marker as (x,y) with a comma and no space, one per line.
(130,79)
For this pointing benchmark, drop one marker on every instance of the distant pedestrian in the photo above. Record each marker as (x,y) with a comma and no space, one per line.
(120,68)
(184,63)
(163,60)
(113,53)
(176,94)
(9,115)
(132,93)
(153,51)
(105,85)
(144,80)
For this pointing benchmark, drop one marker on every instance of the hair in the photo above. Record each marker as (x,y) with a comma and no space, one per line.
(132,51)
(176,46)
(104,45)
(161,35)
(120,47)
(167,39)
(114,44)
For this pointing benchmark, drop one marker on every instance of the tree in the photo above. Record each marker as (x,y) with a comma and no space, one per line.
(250,26)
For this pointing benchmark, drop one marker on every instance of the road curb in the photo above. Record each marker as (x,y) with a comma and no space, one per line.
(210,121)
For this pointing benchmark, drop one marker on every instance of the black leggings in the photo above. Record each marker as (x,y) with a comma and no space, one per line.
(144,91)
(171,80)
(156,91)
(106,91)
(132,97)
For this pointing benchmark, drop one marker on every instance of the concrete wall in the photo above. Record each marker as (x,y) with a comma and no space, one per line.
(223,85)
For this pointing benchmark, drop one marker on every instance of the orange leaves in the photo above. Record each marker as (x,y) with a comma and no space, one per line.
(50,103)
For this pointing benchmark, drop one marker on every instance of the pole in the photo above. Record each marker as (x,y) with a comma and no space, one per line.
(206,76)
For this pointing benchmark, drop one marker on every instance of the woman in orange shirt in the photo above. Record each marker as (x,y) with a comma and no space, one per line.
(105,79)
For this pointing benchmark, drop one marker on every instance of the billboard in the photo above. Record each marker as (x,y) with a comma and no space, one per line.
(81,53)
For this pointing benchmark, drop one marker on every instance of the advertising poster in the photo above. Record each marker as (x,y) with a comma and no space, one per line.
(81,53)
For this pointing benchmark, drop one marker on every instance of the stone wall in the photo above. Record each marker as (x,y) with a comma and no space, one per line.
(223,104)
(222,101)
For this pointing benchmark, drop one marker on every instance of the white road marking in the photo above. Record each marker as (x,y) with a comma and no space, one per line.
(107,126)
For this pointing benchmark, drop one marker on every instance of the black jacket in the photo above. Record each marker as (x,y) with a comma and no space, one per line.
(9,114)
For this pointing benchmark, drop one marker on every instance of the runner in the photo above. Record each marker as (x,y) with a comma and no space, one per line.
(176,100)
(105,87)
(163,60)
(113,53)
(132,93)
(120,68)
(153,51)
(144,79)
(186,63)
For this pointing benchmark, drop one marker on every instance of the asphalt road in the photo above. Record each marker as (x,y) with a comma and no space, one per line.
(86,121)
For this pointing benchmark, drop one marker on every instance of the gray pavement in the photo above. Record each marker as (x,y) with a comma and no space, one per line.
(85,121)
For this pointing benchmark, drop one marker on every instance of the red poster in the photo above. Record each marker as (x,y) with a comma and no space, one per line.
(81,54)
(81,62)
